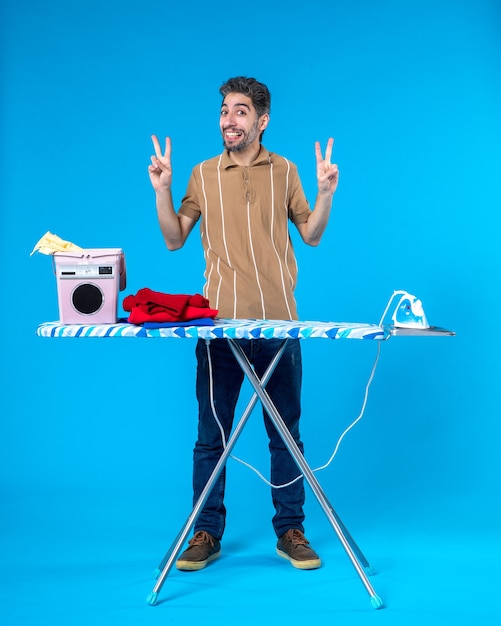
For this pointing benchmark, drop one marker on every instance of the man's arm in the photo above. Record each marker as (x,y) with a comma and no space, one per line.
(175,228)
(312,230)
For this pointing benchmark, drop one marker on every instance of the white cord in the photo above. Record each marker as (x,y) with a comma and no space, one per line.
(336,449)
(364,404)
(211,395)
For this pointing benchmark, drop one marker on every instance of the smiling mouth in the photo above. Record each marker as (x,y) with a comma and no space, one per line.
(232,135)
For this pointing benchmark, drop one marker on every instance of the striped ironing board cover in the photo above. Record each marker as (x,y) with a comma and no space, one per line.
(222,329)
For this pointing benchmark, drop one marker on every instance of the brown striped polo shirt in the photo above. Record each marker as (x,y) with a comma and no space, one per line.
(251,269)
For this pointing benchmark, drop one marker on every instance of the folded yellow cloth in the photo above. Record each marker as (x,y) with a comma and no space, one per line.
(50,243)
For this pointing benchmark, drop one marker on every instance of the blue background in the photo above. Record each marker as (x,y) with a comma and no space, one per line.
(96,436)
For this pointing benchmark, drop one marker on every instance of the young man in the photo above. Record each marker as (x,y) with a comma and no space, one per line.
(244,199)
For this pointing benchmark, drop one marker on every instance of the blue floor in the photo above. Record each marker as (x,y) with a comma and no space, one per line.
(88,559)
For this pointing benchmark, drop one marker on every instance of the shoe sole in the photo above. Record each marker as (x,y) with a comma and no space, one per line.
(311,564)
(195,566)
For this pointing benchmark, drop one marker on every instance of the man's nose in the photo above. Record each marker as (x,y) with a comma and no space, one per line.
(231,119)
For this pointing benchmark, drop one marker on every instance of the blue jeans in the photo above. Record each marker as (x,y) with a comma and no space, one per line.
(284,388)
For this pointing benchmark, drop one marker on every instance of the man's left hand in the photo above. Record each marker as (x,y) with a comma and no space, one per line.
(327,172)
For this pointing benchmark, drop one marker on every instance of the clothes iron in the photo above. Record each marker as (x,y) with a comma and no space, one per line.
(408,312)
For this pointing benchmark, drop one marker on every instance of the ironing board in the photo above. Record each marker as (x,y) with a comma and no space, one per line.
(232,330)
(221,329)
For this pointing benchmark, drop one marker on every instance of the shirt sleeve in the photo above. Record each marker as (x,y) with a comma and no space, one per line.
(190,205)
(299,208)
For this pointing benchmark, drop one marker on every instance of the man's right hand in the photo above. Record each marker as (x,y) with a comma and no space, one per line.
(160,170)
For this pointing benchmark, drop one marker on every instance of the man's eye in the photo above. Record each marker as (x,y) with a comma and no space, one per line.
(224,112)
(240,112)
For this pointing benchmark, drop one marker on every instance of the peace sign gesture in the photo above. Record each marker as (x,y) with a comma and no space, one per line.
(327,172)
(160,170)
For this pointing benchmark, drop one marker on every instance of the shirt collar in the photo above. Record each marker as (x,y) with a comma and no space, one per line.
(262,158)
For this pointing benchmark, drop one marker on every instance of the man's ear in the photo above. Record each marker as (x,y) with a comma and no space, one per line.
(263,123)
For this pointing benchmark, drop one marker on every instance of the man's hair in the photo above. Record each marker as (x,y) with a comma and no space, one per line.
(250,87)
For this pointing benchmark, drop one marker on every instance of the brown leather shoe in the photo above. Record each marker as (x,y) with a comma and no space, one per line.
(294,547)
(203,548)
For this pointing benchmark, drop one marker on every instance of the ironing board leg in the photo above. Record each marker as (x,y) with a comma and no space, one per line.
(170,557)
(305,469)
(369,570)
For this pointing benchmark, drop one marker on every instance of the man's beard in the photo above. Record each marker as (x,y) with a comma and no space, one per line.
(245,142)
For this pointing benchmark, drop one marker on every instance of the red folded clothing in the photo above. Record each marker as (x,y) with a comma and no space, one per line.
(153,306)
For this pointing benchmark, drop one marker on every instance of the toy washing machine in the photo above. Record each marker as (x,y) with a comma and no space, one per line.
(88,283)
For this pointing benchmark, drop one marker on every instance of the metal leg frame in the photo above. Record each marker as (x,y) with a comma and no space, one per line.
(170,557)
(354,553)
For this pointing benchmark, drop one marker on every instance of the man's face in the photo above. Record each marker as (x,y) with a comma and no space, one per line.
(239,123)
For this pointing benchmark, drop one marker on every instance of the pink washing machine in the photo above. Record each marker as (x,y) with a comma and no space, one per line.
(88,283)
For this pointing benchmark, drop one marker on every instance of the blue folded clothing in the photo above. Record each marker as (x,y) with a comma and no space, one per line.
(203,321)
